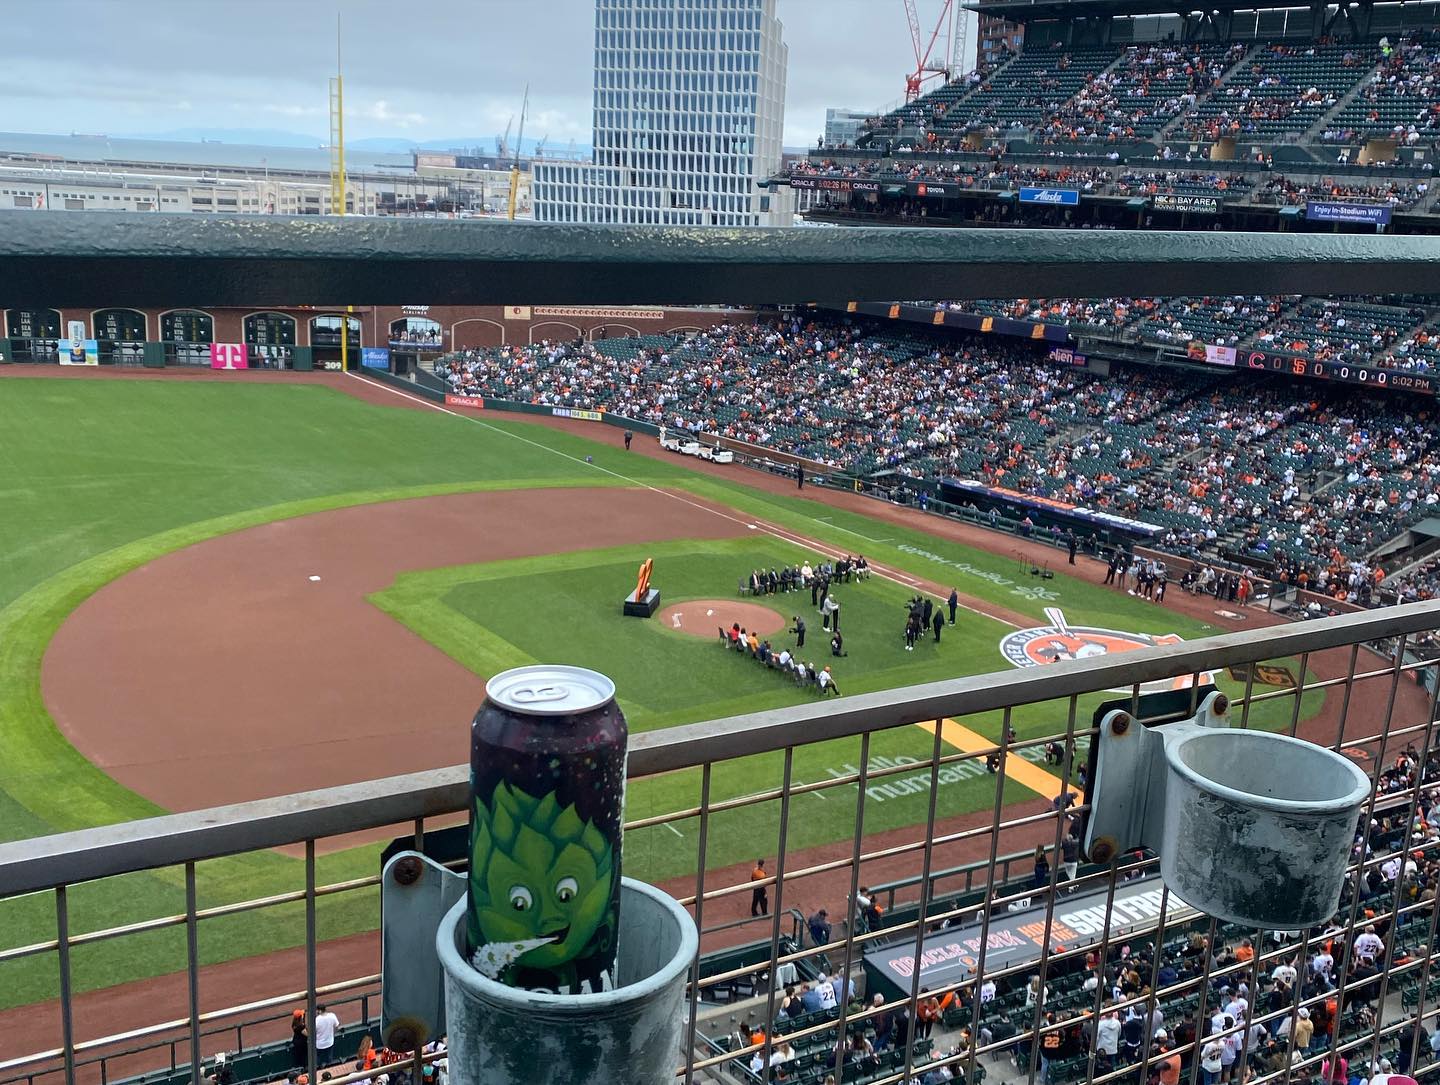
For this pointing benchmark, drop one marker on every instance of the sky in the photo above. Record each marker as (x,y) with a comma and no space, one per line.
(432,71)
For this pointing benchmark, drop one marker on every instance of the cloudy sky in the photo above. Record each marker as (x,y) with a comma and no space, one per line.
(412,71)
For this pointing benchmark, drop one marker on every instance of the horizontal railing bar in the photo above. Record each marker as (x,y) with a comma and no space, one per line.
(184,1022)
(66,858)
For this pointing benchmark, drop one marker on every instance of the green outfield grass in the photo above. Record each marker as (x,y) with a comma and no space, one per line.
(100,477)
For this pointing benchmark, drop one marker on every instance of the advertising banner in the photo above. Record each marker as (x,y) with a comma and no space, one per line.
(79,351)
(1066,356)
(375,358)
(932,189)
(1174,201)
(229,356)
(1063,197)
(75,329)
(464,401)
(1373,214)
(574,412)
(517,312)
(998,325)
(1210,353)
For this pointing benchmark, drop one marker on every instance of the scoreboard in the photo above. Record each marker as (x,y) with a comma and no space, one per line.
(270,330)
(120,326)
(187,326)
(33,324)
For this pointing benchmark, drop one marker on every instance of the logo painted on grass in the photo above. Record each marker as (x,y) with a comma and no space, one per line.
(1060,641)
(1025,590)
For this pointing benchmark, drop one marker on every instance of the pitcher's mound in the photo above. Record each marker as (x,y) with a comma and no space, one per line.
(705,617)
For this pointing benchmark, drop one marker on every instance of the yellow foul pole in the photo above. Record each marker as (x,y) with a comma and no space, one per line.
(337,176)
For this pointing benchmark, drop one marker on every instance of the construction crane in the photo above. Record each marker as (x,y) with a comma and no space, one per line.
(502,143)
(925,68)
(515,162)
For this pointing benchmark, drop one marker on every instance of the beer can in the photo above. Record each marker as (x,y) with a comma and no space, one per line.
(547,791)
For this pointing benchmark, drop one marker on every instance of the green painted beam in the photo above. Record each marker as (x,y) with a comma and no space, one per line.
(116,258)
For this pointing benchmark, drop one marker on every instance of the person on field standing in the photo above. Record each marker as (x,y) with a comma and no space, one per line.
(759,898)
(953,603)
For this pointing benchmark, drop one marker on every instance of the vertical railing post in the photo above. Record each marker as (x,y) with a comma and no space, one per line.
(67,1021)
(192,971)
(310,964)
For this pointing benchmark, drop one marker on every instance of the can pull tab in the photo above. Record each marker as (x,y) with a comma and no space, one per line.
(538,694)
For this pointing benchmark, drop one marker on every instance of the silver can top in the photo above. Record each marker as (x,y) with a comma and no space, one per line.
(550,690)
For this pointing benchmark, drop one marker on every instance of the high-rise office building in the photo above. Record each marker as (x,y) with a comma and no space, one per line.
(999,39)
(843,125)
(689,114)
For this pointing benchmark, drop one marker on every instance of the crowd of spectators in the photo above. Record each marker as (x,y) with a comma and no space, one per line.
(1307,481)
(1147,88)
(1234,1000)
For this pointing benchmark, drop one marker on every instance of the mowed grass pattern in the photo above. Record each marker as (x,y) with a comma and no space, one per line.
(99,477)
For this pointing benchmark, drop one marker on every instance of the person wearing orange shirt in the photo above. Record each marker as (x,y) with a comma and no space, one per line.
(759,898)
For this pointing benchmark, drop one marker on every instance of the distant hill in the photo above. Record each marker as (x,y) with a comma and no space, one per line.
(278,137)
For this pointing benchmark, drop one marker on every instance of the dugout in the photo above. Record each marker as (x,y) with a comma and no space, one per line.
(1017,938)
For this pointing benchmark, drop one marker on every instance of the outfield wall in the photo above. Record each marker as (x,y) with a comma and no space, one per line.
(301,336)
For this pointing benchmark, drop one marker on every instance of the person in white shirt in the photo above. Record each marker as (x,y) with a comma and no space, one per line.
(1211,1061)
(1368,946)
(1322,964)
(987,991)
(1284,973)
(325,1025)
(826,992)
(1107,1035)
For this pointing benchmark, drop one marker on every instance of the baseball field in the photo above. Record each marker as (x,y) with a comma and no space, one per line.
(215,590)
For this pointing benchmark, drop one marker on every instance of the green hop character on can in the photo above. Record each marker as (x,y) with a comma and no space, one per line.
(541,888)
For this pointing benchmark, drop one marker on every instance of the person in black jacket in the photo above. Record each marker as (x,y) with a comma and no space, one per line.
(953,603)
(799,630)
(939,623)
(299,1040)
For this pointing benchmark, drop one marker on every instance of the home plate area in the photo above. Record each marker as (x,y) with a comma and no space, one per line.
(702,617)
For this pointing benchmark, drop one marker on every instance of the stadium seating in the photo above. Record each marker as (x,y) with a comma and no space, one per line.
(1340,330)
(1401,99)
(1222,321)
(1283,474)
(1141,93)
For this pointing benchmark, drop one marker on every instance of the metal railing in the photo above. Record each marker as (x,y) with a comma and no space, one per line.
(1341,694)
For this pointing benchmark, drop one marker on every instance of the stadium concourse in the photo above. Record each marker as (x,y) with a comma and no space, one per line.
(1302,481)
